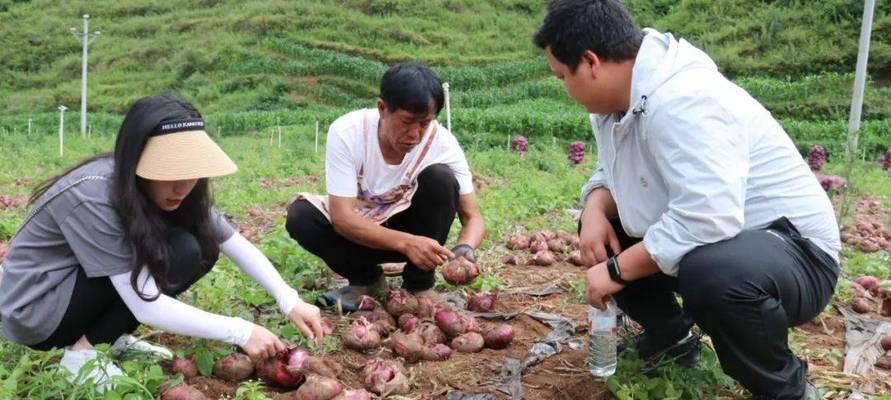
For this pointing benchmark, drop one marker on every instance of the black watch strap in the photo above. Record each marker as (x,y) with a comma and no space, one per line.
(612,265)
(465,249)
(462,246)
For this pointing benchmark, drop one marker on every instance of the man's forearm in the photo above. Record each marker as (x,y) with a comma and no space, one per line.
(472,224)
(472,231)
(636,263)
(601,199)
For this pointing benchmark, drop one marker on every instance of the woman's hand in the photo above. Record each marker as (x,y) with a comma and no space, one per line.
(263,344)
(308,318)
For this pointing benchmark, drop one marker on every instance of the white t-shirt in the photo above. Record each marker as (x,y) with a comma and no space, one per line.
(347,152)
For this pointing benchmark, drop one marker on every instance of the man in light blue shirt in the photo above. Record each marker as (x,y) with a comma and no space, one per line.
(698,191)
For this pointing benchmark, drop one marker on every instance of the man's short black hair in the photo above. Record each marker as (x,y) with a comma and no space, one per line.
(411,87)
(602,26)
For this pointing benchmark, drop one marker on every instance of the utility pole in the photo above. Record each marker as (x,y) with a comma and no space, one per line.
(87,38)
(62,109)
(317,135)
(448,106)
(853,138)
(862,58)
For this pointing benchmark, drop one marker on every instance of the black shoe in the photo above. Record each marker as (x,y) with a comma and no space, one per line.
(683,353)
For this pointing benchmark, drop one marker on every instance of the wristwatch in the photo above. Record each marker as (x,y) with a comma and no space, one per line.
(612,265)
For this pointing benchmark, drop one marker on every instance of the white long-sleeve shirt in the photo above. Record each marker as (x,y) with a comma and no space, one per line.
(695,159)
(171,315)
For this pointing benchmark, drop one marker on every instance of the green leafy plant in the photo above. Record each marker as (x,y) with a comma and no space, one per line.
(669,381)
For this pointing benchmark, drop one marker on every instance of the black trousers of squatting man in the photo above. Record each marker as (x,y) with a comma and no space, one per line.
(745,293)
(432,211)
(98,312)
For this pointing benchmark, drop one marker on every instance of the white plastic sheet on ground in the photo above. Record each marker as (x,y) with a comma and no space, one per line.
(863,348)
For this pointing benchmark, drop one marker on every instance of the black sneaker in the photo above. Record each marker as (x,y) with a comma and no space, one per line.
(683,353)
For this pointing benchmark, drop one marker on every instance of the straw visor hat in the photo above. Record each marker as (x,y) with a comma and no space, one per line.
(181,150)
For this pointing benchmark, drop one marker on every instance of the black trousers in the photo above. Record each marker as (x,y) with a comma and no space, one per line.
(745,293)
(98,312)
(432,211)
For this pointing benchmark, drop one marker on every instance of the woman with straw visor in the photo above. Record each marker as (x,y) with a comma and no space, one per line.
(109,243)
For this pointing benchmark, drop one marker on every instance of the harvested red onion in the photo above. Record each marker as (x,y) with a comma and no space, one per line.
(499,337)
(361,336)
(460,271)
(482,301)
(519,144)
(576,153)
(185,366)
(401,302)
(385,377)
(816,157)
(407,322)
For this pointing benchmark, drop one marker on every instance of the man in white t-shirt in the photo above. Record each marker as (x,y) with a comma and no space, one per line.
(395,181)
(697,191)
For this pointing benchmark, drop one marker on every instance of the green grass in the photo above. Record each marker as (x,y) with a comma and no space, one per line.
(779,38)
(541,120)
(533,191)
(669,382)
(249,66)
(232,56)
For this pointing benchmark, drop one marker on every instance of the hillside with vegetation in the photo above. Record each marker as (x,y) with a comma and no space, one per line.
(254,64)
(239,56)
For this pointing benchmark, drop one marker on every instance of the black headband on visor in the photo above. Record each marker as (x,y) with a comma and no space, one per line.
(179,125)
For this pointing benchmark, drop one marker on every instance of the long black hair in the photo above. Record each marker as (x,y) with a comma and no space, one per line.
(144,223)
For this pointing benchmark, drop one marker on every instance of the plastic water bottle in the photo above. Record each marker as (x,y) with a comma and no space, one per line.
(602,340)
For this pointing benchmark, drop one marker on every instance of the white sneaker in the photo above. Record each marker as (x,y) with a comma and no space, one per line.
(101,371)
(129,343)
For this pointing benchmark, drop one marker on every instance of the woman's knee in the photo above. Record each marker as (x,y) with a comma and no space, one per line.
(186,264)
(185,250)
